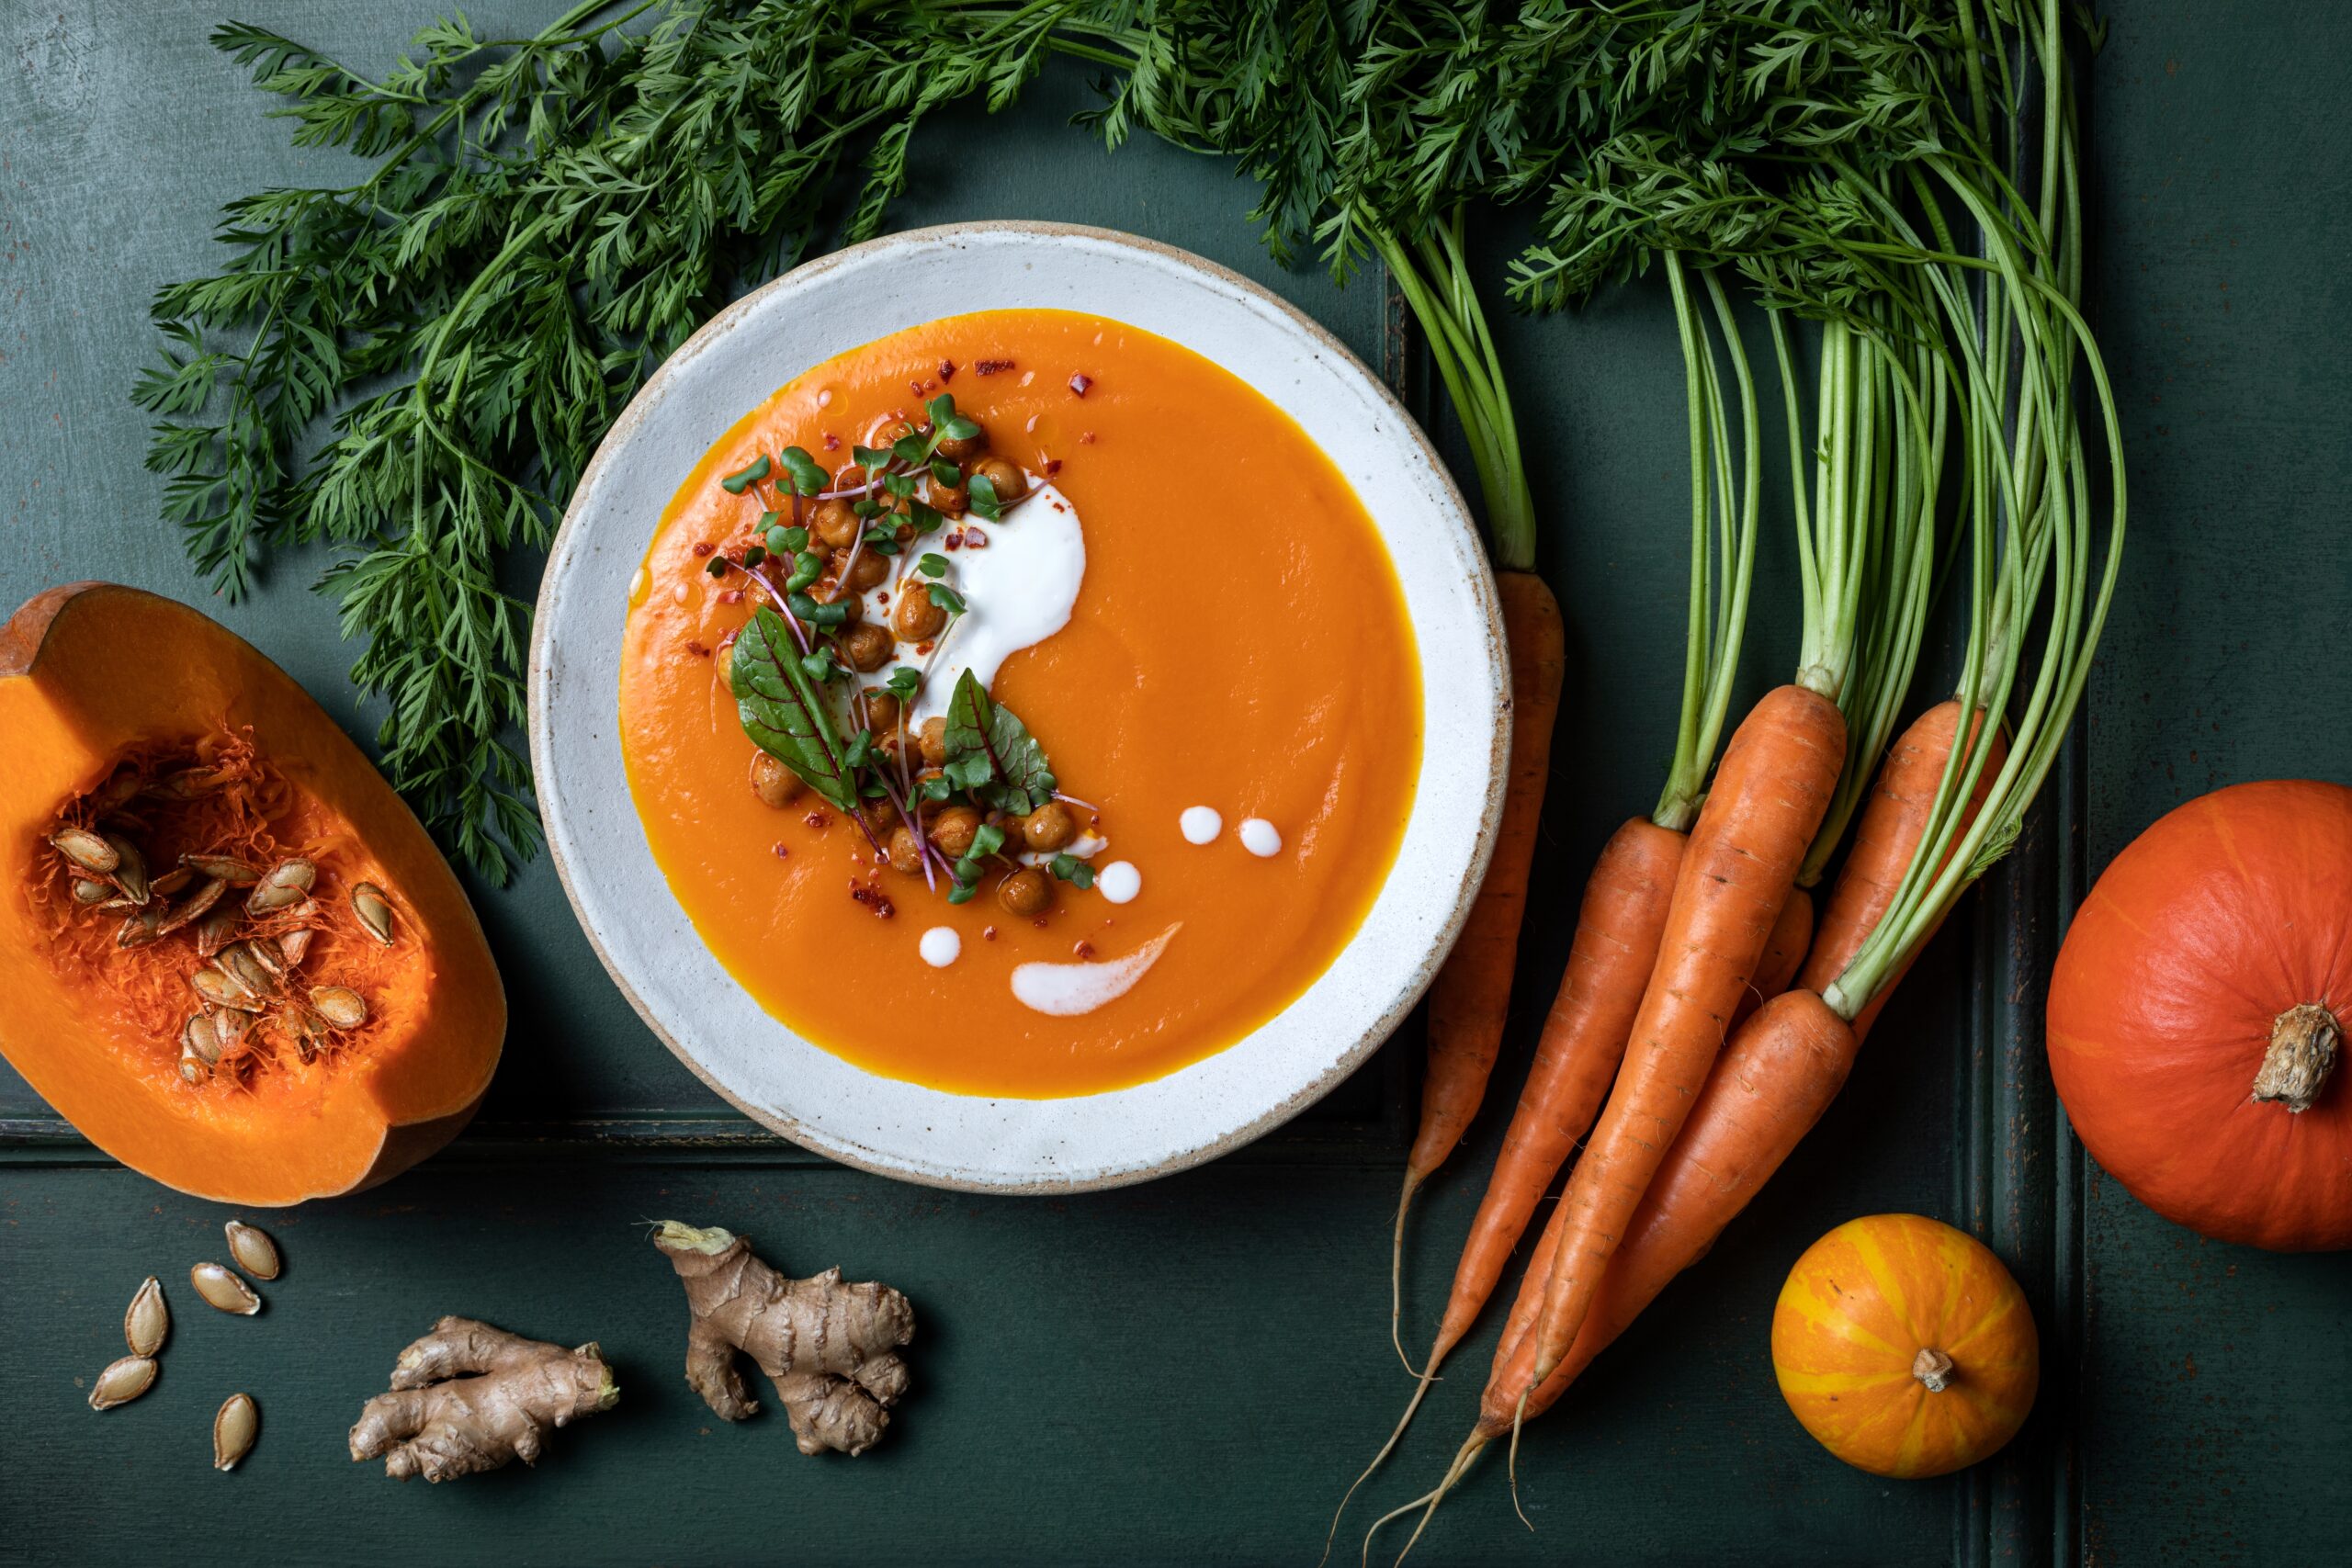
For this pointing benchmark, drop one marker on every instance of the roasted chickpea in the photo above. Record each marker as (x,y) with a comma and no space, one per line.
(964,450)
(933,739)
(949,501)
(1010,483)
(834,524)
(865,573)
(914,618)
(831,592)
(906,855)
(1048,827)
(953,829)
(1025,892)
(881,817)
(865,648)
(877,710)
(775,784)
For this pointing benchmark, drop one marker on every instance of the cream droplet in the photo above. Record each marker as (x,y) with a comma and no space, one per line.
(1119,881)
(1261,838)
(1201,824)
(940,946)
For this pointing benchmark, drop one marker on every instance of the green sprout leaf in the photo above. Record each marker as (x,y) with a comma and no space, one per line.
(807,477)
(981,496)
(745,478)
(784,713)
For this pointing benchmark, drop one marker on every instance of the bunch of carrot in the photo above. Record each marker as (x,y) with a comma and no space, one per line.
(1679,936)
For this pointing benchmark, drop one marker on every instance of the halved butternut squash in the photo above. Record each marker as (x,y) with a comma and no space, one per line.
(229,953)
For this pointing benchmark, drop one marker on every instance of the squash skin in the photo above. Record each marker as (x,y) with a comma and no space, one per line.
(89,670)
(1859,1307)
(2227,912)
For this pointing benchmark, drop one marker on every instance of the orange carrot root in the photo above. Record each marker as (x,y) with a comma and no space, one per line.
(1471,996)
(1618,925)
(1784,953)
(1768,798)
(1884,839)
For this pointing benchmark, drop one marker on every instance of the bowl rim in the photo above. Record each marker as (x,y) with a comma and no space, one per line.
(1374,1035)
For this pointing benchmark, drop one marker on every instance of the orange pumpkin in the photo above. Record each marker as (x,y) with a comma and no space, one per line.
(185,835)
(1905,1347)
(2195,1016)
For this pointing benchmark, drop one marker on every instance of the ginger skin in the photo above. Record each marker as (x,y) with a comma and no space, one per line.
(468,1397)
(828,1348)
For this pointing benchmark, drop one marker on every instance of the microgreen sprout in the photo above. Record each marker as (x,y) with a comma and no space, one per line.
(745,478)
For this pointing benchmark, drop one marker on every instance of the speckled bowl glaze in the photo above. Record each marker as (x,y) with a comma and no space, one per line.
(903,1129)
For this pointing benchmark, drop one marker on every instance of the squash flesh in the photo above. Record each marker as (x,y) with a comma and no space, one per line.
(100,673)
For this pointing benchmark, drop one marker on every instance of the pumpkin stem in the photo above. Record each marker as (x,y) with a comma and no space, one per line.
(1934,1369)
(2303,1042)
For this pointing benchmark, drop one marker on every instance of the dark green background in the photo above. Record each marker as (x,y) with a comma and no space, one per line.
(1190,1371)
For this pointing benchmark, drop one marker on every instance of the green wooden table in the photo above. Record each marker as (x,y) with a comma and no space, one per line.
(1189,1372)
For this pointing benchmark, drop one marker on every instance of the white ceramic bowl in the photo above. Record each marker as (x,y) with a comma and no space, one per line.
(902,1129)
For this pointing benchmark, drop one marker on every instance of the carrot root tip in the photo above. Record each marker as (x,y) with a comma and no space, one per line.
(1396,1272)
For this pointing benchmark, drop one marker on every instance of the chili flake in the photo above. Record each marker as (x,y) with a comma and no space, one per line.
(1079,382)
(990,367)
(947,370)
(702,547)
(695,646)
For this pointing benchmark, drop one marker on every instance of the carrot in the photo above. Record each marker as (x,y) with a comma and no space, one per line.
(1772,1083)
(1785,951)
(1583,1037)
(1776,1077)
(1770,796)
(1884,841)
(1471,996)
(1618,926)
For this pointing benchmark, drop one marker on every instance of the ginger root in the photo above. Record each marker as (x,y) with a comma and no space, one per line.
(828,1347)
(468,1397)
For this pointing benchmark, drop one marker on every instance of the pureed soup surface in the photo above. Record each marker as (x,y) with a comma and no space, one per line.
(1239,641)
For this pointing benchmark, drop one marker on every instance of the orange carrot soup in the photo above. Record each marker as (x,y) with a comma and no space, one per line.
(1021,705)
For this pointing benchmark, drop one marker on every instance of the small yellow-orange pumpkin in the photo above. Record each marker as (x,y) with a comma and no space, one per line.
(124,712)
(1905,1347)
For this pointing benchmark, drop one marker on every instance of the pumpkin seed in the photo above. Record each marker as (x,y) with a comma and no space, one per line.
(303,1029)
(86,850)
(193,1067)
(270,953)
(200,1037)
(147,1319)
(87,892)
(187,784)
(171,882)
(306,913)
(341,1006)
(233,1430)
(230,1028)
(143,927)
(123,1382)
(294,944)
(214,929)
(131,868)
(253,1251)
(220,1287)
(287,883)
(224,868)
(247,970)
(375,911)
(195,906)
(222,989)
(121,788)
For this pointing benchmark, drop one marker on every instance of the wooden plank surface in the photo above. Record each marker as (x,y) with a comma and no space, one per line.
(1190,1371)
